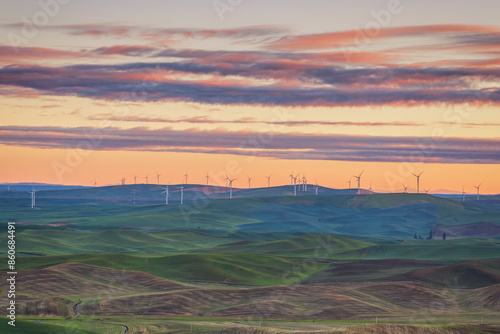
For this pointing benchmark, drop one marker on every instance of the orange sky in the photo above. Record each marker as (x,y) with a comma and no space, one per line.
(107,168)
(86,100)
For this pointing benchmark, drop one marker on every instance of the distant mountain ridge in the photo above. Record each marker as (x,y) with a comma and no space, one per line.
(26,186)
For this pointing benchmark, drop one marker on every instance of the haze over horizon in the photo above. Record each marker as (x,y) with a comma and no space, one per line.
(325,88)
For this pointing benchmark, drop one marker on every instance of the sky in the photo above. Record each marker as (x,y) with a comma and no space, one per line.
(96,91)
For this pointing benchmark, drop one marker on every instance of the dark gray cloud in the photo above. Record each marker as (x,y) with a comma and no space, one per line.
(346,87)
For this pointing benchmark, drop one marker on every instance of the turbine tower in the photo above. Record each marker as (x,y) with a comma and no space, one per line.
(268,181)
(295,184)
(231,187)
(291,178)
(316,188)
(123,181)
(249,180)
(370,189)
(349,182)
(186,175)
(182,193)
(477,187)
(227,181)
(167,195)
(463,194)
(95,183)
(157,178)
(418,181)
(135,179)
(207,177)
(406,188)
(146,178)
(359,181)
(33,199)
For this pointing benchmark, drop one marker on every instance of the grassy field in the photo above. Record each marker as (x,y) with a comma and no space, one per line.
(54,242)
(263,262)
(113,324)
(383,215)
(438,250)
(252,269)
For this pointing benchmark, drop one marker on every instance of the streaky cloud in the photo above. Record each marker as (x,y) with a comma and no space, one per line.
(338,86)
(276,145)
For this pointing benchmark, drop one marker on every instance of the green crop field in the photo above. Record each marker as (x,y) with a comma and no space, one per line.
(264,261)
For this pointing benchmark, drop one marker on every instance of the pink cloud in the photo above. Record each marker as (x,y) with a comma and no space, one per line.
(338,39)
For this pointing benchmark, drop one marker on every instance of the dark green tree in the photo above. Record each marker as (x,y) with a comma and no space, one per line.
(415,236)
(444,235)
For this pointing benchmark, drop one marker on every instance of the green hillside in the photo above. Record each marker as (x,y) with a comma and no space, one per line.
(42,327)
(52,242)
(311,245)
(249,269)
(377,215)
(438,250)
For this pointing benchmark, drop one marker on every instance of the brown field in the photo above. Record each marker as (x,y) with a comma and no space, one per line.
(107,291)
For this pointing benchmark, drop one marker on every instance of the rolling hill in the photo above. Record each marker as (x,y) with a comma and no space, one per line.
(311,262)
(382,215)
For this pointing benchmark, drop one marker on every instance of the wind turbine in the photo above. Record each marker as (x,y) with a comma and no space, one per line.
(291,178)
(349,182)
(123,181)
(146,178)
(406,188)
(231,187)
(370,189)
(463,194)
(295,185)
(207,177)
(182,193)
(418,181)
(304,182)
(316,188)
(249,179)
(268,181)
(33,199)
(95,183)
(426,191)
(227,181)
(135,179)
(157,178)
(477,187)
(167,195)
(359,181)
(186,175)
